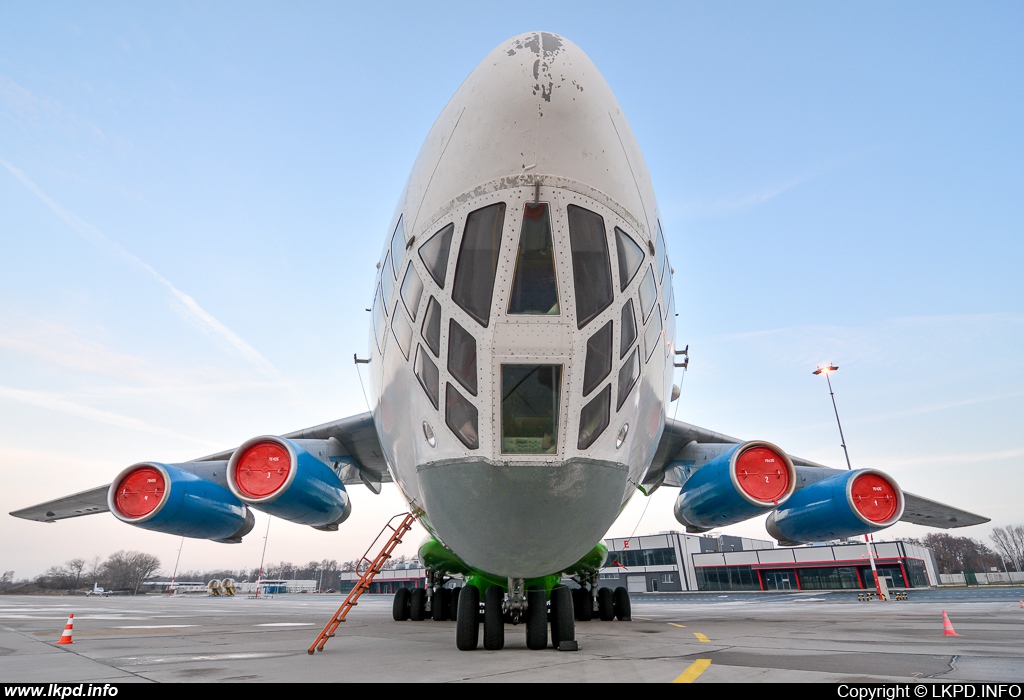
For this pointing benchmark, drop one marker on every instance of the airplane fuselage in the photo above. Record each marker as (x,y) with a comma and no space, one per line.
(523,318)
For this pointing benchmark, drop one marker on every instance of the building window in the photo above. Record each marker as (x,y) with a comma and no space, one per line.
(668,578)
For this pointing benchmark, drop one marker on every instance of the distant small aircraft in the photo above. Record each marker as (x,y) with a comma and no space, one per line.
(97,590)
(521,358)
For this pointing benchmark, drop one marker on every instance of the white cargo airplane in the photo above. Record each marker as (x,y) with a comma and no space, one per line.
(522,357)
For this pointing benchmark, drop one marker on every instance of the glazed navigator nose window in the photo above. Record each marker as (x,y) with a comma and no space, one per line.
(478,262)
(529,408)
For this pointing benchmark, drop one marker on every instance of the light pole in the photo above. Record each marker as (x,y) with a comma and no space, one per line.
(828,369)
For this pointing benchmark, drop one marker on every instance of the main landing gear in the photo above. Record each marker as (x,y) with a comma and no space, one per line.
(494,609)
(497,610)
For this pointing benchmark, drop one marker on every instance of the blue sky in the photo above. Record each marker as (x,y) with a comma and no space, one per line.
(193,198)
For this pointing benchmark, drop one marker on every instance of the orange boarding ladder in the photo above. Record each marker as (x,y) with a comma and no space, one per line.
(373,568)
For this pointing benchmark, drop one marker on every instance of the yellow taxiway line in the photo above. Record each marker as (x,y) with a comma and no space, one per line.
(693,671)
(700,637)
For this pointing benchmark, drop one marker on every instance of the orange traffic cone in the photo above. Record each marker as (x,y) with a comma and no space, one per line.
(66,637)
(947,626)
(1022,603)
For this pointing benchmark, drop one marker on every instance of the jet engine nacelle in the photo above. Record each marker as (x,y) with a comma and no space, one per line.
(845,505)
(743,481)
(280,477)
(167,499)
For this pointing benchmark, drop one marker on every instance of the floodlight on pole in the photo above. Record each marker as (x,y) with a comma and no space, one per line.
(828,369)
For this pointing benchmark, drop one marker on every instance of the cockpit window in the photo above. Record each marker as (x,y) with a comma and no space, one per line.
(648,294)
(529,408)
(592,271)
(398,247)
(627,376)
(462,356)
(478,262)
(434,253)
(660,258)
(594,418)
(462,417)
(534,288)
(427,374)
(631,257)
(412,291)
(380,321)
(432,326)
(387,280)
(402,329)
(627,329)
(652,336)
(599,358)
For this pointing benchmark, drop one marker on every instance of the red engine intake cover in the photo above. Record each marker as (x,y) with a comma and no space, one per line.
(762,474)
(140,492)
(874,497)
(262,469)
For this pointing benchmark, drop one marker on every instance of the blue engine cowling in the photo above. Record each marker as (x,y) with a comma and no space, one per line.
(744,481)
(279,477)
(166,499)
(845,505)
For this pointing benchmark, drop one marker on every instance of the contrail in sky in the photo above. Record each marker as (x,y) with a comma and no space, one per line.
(93,235)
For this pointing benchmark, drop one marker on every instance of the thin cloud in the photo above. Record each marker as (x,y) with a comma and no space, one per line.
(60,404)
(944,459)
(192,310)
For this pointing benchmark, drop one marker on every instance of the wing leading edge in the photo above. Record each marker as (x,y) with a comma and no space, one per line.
(364,464)
(666,470)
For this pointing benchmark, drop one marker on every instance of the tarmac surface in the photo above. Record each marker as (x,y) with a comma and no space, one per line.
(708,637)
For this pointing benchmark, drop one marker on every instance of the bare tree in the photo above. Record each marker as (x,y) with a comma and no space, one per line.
(127,570)
(1009,543)
(956,554)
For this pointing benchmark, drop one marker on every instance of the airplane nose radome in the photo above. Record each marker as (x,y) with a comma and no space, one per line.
(545,517)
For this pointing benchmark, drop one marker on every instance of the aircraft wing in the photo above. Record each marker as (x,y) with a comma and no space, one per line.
(665,471)
(356,434)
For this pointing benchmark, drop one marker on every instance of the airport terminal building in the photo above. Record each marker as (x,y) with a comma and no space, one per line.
(674,561)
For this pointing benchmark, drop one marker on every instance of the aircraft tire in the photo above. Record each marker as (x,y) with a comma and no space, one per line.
(467,626)
(453,606)
(440,603)
(400,608)
(563,629)
(418,604)
(620,599)
(605,604)
(536,619)
(494,620)
(583,604)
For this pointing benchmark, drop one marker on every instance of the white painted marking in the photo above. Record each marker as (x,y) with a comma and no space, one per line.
(284,624)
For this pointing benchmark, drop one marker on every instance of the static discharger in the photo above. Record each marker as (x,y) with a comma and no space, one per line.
(65,638)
